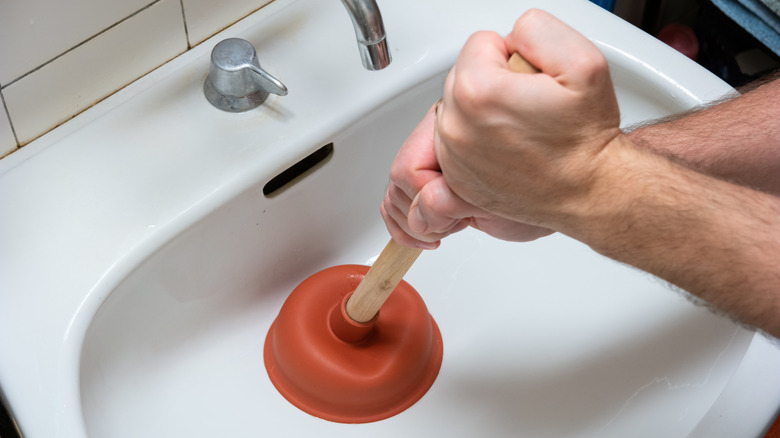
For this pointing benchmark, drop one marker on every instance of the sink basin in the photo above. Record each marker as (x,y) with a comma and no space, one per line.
(147,256)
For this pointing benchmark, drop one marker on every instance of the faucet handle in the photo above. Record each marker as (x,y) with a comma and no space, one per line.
(269,83)
(236,82)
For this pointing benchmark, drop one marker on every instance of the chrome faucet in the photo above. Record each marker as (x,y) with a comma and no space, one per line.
(236,82)
(370,33)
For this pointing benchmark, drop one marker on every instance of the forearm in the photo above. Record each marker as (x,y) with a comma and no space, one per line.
(737,140)
(717,240)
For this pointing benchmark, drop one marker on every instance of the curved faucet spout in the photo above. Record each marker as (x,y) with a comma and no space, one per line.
(370,33)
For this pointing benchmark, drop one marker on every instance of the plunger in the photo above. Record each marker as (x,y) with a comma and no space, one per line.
(333,353)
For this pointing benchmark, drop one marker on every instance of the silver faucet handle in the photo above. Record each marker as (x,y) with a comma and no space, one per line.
(270,83)
(236,82)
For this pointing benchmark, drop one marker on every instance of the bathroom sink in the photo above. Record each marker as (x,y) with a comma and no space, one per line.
(147,256)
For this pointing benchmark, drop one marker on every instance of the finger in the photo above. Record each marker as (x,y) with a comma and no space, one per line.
(398,198)
(485,49)
(400,217)
(555,48)
(438,210)
(402,237)
(471,82)
(416,161)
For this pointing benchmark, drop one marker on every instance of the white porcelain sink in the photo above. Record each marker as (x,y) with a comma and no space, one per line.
(142,265)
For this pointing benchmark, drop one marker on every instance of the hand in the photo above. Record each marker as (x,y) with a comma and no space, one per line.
(526,147)
(419,209)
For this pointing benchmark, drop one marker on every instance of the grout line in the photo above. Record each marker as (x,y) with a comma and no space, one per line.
(10,122)
(184,19)
(266,3)
(79,45)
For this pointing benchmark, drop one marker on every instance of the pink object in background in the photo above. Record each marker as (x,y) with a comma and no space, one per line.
(681,38)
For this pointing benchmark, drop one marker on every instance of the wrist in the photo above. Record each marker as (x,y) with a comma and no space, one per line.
(623,189)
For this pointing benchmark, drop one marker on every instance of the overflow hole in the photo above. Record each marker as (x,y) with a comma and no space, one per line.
(298,171)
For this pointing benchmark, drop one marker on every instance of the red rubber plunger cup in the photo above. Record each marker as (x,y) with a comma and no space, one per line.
(331,366)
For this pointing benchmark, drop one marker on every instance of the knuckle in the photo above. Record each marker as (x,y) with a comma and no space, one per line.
(388,209)
(397,173)
(470,92)
(392,196)
(590,65)
(532,15)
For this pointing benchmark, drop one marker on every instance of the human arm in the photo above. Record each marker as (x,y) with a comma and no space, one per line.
(718,240)
(546,150)
(737,140)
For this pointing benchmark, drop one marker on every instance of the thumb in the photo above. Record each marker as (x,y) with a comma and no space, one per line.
(436,209)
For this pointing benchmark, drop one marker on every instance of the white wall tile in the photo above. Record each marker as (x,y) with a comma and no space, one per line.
(33,32)
(7,141)
(207,17)
(94,70)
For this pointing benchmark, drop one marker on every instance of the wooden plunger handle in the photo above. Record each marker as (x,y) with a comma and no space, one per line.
(518,64)
(395,260)
(384,275)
